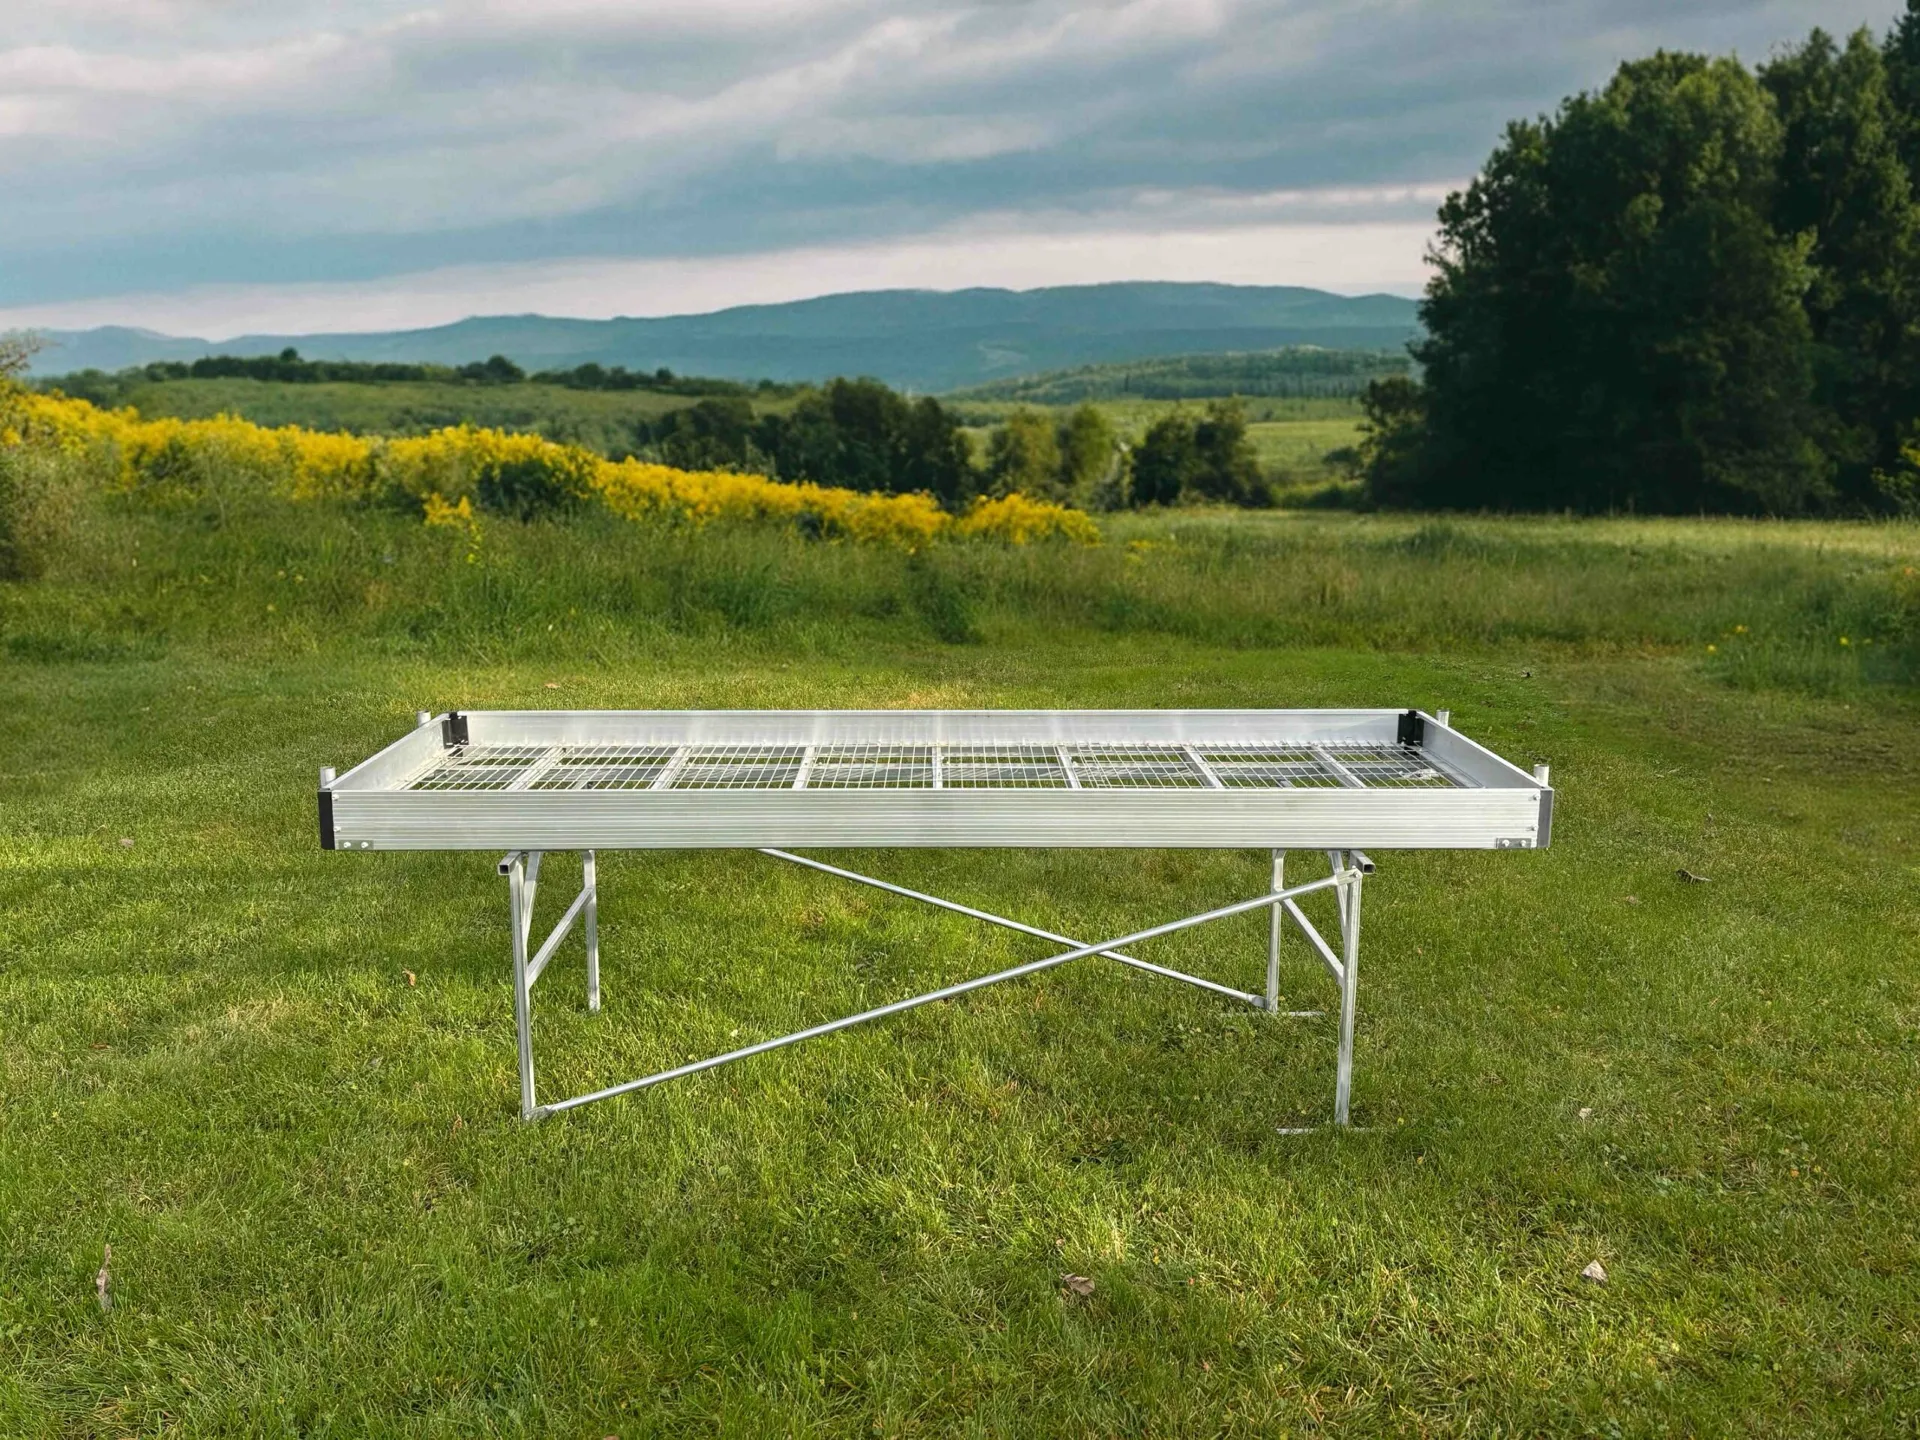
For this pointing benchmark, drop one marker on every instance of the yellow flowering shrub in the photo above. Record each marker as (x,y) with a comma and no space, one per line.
(54,421)
(1019,520)
(503,469)
(636,489)
(441,511)
(453,472)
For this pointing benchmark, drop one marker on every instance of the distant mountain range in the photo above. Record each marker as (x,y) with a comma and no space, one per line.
(925,340)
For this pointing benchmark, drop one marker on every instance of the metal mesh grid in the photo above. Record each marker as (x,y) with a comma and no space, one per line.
(738,767)
(1392,767)
(1002,767)
(915,767)
(872,767)
(1135,767)
(605,767)
(1269,767)
(480,767)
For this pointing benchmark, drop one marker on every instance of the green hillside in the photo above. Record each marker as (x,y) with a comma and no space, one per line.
(1294,372)
(924,340)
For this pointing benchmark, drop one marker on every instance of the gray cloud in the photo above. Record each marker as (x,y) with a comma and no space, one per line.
(160,144)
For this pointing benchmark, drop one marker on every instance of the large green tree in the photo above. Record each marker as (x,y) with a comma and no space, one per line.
(1615,322)
(1844,187)
(1209,459)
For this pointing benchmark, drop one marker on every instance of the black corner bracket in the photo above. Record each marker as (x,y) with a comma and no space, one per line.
(453,729)
(1413,728)
(326,820)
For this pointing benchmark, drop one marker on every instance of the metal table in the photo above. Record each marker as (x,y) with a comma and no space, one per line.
(1340,782)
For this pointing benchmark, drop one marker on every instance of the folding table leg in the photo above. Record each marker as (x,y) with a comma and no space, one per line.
(1349,901)
(1273,937)
(520,895)
(591,918)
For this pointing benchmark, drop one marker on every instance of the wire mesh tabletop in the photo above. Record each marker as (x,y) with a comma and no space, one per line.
(929,767)
(718,779)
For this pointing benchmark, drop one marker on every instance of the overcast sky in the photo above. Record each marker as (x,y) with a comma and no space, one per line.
(214,167)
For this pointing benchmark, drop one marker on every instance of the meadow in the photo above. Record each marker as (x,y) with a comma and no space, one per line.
(1291,436)
(280,1083)
(601,420)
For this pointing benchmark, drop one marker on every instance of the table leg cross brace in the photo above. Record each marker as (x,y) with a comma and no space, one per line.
(522,869)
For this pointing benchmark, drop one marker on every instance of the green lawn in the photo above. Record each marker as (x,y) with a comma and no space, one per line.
(281,1082)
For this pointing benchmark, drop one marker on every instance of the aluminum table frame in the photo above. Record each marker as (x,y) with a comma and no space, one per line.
(740,779)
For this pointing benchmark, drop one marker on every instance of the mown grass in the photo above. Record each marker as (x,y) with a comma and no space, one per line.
(326,1219)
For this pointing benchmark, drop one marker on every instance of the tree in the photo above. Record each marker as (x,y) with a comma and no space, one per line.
(1900,54)
(862,435)
(1209,459)
(1023,454)
(494,370)
(1843,182)
(1615,322)
(1395,411)
(1163,461)
(1226,470)
(1087,453)
(710,435)
(17,350)
(935,455)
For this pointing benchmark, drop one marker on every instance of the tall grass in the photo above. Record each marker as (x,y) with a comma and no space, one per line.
(1812,609)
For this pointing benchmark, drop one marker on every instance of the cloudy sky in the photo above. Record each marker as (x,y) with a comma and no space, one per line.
(214,166)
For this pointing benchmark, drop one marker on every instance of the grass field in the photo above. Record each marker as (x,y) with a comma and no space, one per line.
(281,1082)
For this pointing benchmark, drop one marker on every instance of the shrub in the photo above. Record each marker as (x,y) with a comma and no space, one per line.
(226,461)
(1020,521)
(37,495)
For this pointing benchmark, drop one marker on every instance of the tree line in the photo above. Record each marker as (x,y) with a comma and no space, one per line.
(1696,289)
(291,368)
(865,436)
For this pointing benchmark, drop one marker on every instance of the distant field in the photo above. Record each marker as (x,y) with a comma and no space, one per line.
(1299,371)
(1290,437)
(601,420)
(1298,448)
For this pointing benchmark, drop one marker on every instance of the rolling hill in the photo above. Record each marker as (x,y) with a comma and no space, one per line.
(924,340)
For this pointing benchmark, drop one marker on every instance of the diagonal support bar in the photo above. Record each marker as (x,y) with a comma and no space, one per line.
(948,992)
(1318,941)
(537,965)
(1001,920)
